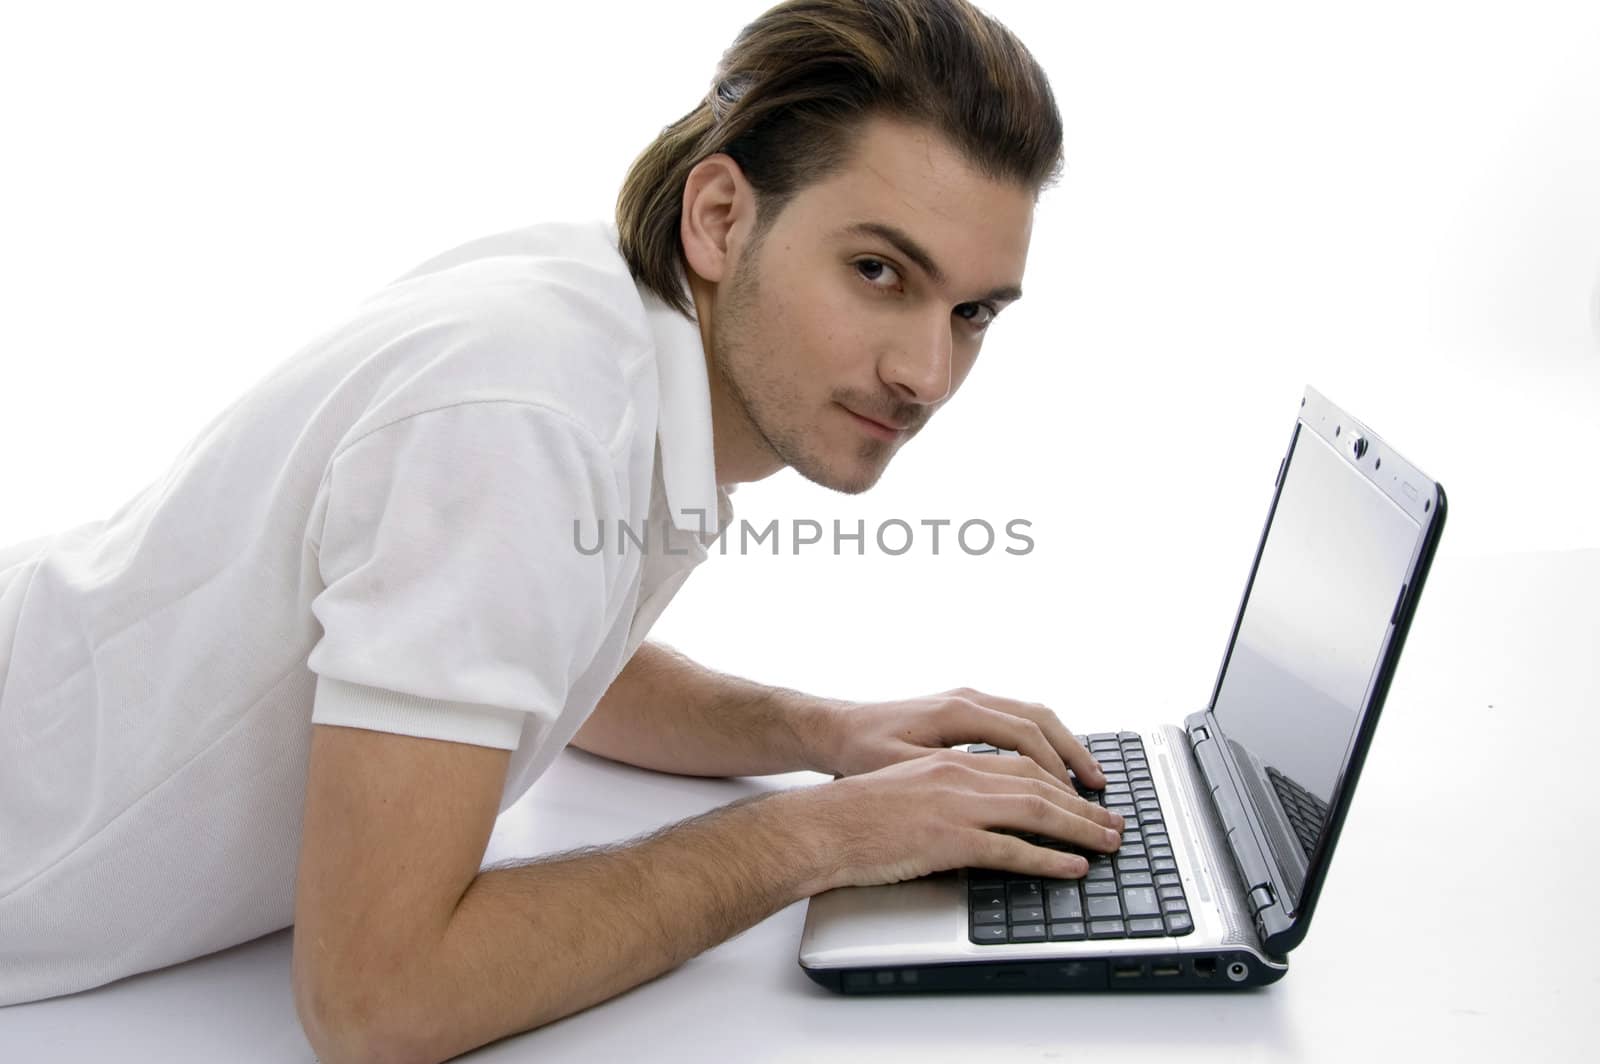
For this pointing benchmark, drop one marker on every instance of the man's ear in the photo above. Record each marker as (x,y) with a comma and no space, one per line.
(718,216)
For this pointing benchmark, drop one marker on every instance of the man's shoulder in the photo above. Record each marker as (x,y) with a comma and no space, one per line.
(570,268)
(556,280)
(547,314)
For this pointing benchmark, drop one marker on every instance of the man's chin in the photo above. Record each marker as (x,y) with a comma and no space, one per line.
(850,479)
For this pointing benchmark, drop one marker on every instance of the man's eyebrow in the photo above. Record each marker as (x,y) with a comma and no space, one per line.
(914,251)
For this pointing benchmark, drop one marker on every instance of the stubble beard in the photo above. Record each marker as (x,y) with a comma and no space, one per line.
(760,396)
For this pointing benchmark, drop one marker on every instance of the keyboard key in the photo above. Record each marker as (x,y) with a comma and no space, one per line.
(1146,928)
(1128,863)
(986,895)
(1067,931)
(1168,879)
(1027,914)
(1100,886)
(1136,879)
(1026,892)
(1161,851)
(1164,864)
(1065,903)
(1106,929)
(1174,905)
(989,933)
(1140,901)
(1171,890)
(1179,924)
(1104,905)
(988,916)
(1029,932)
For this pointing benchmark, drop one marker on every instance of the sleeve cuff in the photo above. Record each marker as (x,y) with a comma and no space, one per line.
(354,705)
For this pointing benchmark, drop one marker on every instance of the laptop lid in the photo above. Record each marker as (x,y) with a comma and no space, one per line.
(1337,575)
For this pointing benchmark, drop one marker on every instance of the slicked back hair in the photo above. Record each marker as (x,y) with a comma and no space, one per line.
(792,93)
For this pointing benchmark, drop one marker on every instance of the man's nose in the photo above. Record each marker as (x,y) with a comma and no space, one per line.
(918,369)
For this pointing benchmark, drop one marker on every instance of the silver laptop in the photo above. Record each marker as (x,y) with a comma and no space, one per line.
(1232,815)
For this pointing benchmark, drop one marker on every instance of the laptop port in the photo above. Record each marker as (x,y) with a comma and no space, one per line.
(1205,967)
(1165,967)
(1125,970)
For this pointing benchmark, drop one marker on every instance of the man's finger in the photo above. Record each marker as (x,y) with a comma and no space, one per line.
(1027,768)
(1063,743)
(1011,732)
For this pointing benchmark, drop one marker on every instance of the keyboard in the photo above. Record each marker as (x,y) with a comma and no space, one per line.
(1306,811)
(1133,893)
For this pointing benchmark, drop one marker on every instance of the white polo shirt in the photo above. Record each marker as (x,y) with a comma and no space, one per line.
(427,521)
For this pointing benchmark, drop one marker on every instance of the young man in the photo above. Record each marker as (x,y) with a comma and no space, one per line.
(298,678)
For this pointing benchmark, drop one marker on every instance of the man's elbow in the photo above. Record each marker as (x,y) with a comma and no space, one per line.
(344,1028)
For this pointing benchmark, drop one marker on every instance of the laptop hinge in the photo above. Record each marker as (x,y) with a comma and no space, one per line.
(1262,898)
(1247,856)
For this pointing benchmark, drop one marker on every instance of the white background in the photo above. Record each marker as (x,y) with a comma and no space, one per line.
(1398,204)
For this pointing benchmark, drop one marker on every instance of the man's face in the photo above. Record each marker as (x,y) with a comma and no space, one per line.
(832,320)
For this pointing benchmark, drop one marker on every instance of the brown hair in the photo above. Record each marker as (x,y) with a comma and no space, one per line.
(790,95)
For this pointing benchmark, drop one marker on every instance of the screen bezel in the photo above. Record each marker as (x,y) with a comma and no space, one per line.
(1422,499)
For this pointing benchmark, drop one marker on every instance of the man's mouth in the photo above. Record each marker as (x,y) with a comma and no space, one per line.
(883,430)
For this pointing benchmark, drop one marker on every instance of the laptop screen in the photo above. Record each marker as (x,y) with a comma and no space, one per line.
(1309,641)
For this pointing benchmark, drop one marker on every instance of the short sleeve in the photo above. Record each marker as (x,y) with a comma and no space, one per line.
(456,600)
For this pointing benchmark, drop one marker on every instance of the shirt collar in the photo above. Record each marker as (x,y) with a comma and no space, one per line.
(683,424)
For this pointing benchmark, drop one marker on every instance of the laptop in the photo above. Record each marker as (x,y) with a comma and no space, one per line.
(1231,816)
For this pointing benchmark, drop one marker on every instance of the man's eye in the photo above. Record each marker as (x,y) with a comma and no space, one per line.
(874,265)
(983,313)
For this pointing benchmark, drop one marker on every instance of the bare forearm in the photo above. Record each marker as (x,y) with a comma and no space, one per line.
(668,713)
(534,942)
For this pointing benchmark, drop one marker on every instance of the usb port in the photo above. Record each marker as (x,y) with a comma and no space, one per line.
(1165,969)
(1124,970)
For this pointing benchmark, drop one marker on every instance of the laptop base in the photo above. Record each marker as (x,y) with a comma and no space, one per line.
(1223,970)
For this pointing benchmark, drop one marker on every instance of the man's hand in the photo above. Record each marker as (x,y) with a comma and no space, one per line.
(865,736)
(949,809)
